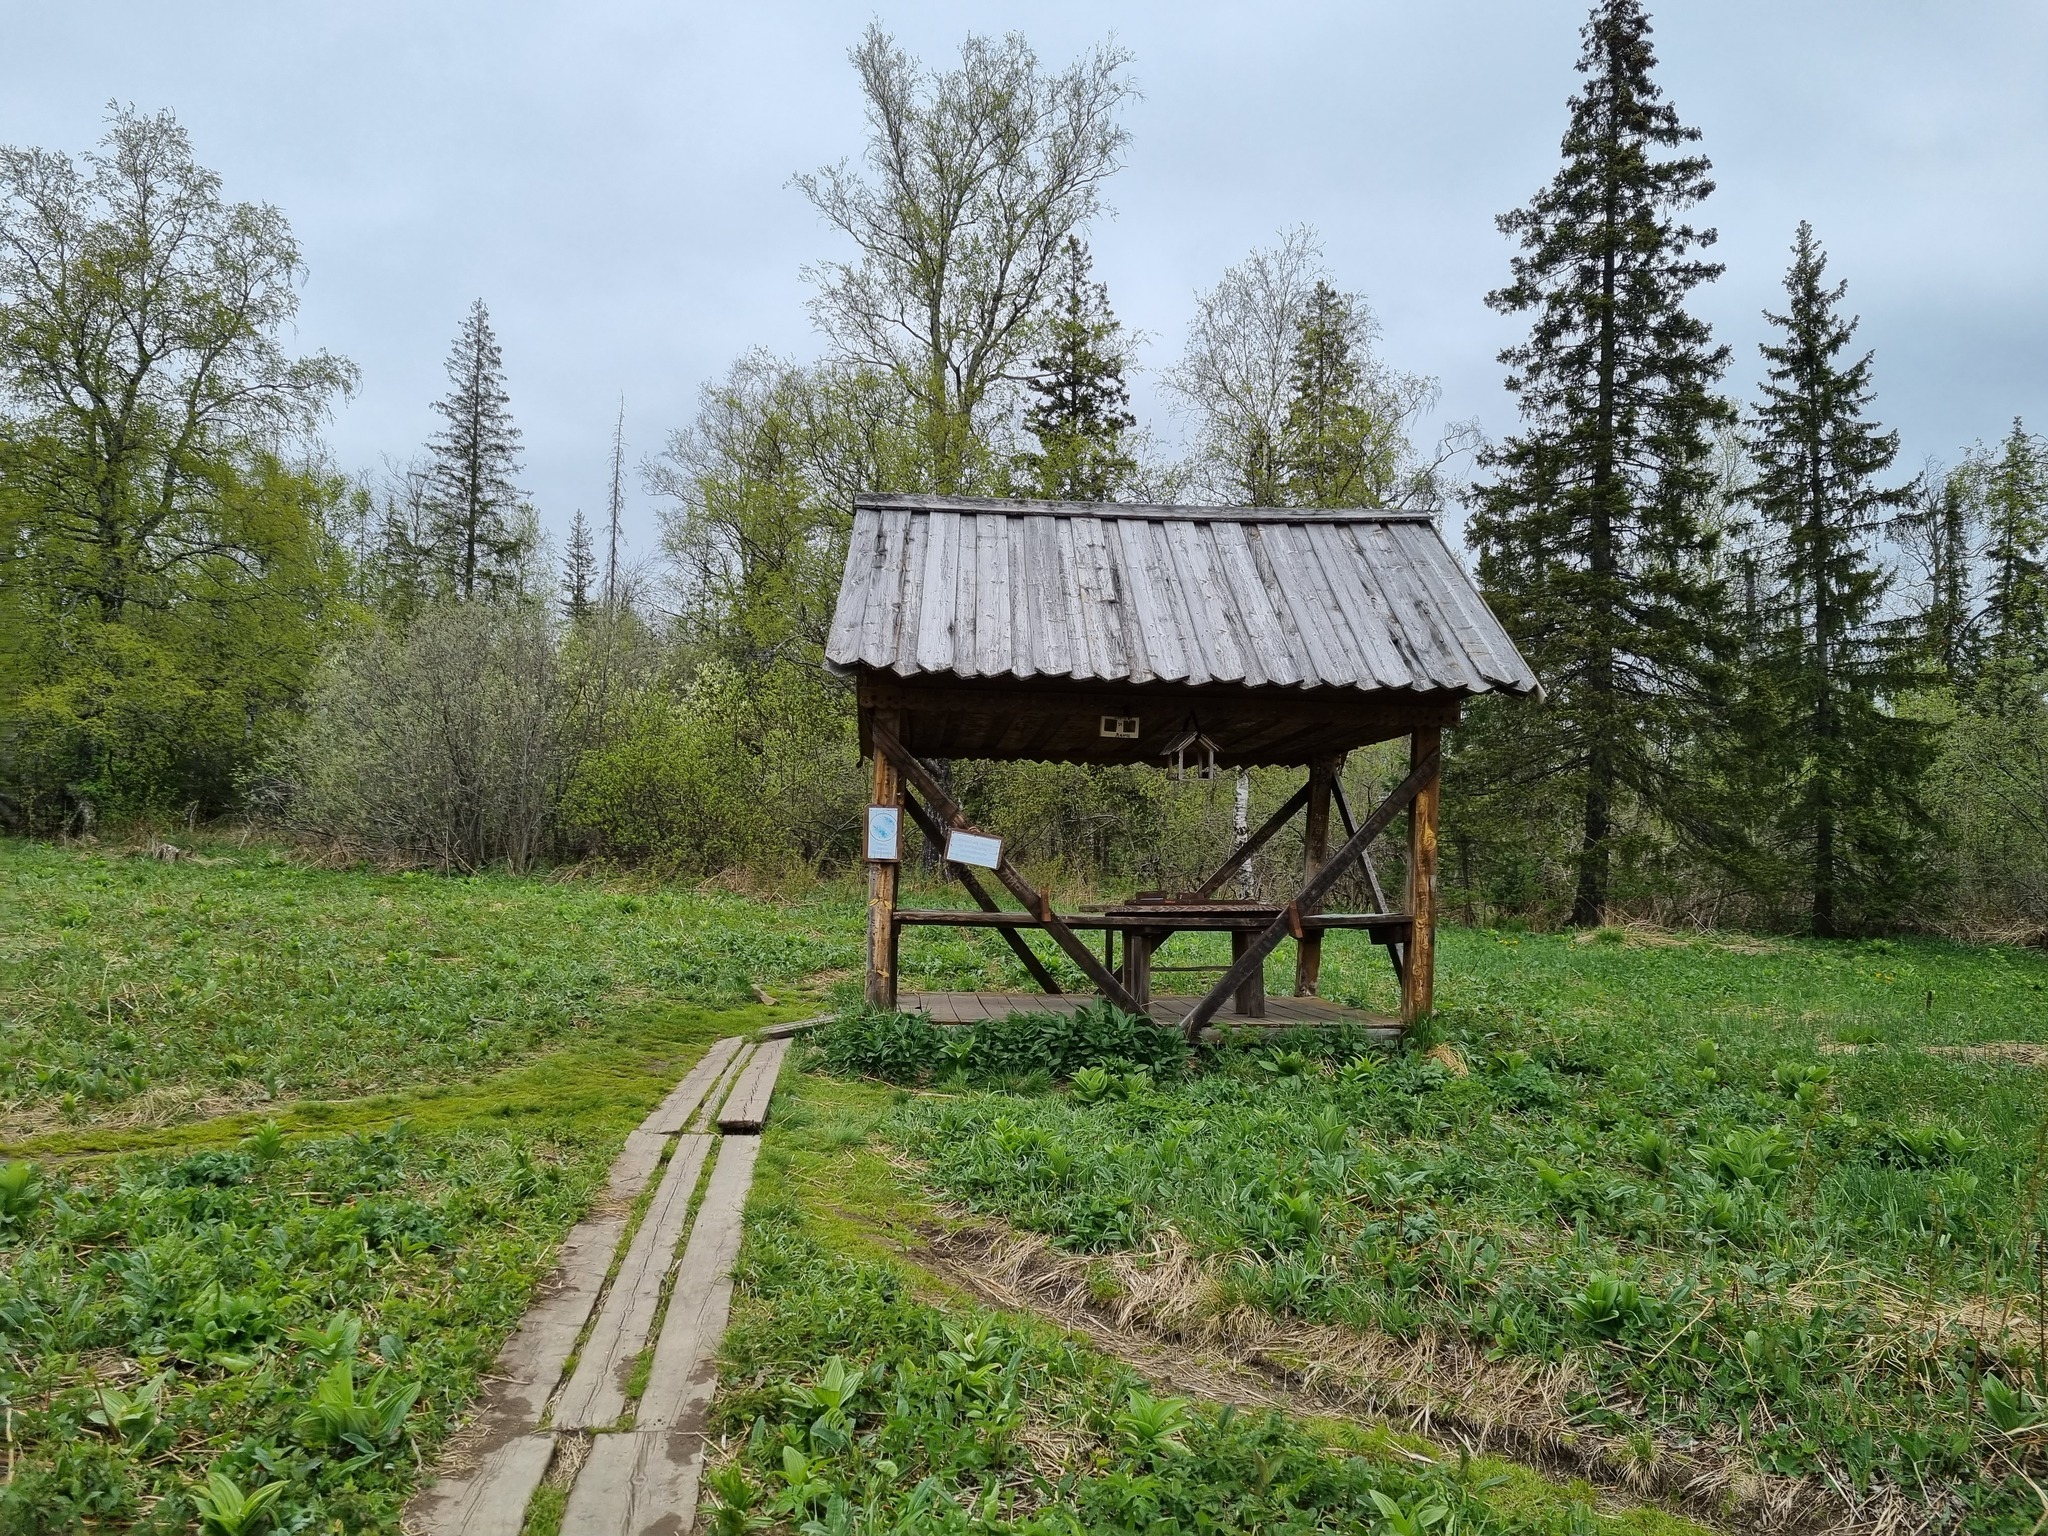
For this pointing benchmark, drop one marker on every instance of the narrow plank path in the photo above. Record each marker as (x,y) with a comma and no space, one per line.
(599,1311)
(596,1394)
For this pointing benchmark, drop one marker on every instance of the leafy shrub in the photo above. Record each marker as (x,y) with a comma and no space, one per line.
(910,1048)
(443,744)
(21,1192)
(1929,1144)
(1748,1155)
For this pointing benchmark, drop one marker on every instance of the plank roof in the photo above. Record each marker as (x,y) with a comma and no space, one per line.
(1367,600)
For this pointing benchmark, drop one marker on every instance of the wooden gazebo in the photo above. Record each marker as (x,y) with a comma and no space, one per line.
(1092,633)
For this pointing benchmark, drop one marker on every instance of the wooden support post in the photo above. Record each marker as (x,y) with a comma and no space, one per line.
(1251,996)
(1315,851)
(1137,971)
(888,790)
(1289,921)
(1418,977)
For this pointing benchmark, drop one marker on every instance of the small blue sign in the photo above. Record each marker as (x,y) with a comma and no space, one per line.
(884,826)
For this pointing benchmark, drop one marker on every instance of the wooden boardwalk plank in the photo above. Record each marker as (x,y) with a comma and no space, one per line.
(492,1501)
(797,1027)
(707,1114)
(675,1110)
(644,1483)
(596,1393)
(639,1158)
(638,1484)
(682,1375)
(747,1108)
(531,1363)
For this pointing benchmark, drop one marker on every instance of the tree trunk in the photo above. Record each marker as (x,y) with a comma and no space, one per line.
(1589,901)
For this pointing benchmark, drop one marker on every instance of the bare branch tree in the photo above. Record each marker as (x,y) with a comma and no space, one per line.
(974,178)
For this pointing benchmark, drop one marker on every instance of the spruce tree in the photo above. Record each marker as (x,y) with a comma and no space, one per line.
(477,520)
(1341,446)
(1844,771)
(1939,533)
(579,571)
(1590,539)
(1081,408)
(2015,510)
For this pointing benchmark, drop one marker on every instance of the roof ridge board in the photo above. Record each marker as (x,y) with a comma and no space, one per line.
(891,501)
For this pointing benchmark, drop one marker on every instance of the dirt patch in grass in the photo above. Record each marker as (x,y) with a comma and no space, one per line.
(2020,1053)
(1166,1313)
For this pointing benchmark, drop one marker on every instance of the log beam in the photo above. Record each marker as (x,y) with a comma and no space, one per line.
(881,982)
(1315,850)
(1396,951)
(1251,845)
(935,835)
(1418,980)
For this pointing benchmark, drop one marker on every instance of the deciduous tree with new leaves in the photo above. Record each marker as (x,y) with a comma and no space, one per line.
(165,573)
(975,176)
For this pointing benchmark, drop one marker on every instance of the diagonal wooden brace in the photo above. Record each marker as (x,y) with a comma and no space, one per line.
(1397,953)
(1252,845)
(936,835)
(1311,894)
(935,795)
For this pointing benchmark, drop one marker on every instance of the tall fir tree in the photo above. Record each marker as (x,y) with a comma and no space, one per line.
(1080,408)
(579,571)
(2014,497)
(1938,531)
(1840,769)
(1590,537)
(1340,447)
(478,523)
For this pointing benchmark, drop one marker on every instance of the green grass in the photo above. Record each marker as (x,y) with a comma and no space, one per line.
(238,1262)
(237,1283)
(243,1098)
(962,1418)
(1749,1251)
(146,991)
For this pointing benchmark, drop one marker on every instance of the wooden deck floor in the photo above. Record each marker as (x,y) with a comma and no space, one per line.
(1281,1012)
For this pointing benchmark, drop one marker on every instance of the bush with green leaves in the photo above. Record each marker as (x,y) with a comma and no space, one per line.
(910,1048)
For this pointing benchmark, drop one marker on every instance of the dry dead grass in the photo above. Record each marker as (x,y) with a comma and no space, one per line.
(1166,1313)
(154,1108)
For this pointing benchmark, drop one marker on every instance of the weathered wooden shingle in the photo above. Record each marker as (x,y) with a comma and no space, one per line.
(1366,600)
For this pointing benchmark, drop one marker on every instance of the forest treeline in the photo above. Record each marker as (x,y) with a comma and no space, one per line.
(1789,681)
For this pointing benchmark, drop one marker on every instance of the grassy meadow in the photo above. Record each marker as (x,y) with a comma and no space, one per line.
(1649,1230)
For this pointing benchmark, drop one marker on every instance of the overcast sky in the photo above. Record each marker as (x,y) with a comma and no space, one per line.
(611,177)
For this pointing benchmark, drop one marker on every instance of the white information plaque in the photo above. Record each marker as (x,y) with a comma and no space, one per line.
(885,825)
(968,848)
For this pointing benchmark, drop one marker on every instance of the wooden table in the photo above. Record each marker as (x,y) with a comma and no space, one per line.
(1147,923)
